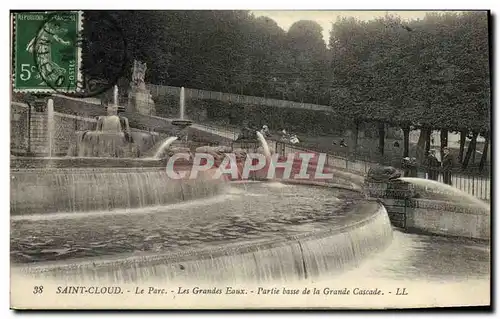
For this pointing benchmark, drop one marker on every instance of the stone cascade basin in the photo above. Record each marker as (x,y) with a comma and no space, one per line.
(110,213)
(45,191)
(256,231)
(130,221)
(279,230)
(273,231)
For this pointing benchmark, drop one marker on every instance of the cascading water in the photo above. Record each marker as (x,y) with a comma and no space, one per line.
(164,146)
(274,234)
(265,146)
(181,104)
(447,191)
(115,95)
(290,245)
(218,242)
(181,123)
(259,236)
(102,144)
(111,138)
(50,127)
(79,190)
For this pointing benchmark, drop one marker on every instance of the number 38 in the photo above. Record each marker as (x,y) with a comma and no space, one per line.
(37,290)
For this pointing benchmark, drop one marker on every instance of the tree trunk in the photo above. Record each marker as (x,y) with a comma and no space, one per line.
(444,141)
(423,143)
(406,141)
(463,135)
(381,137)
(421,146)
(356,135)
(485,152)
(470,149)
(473,160)
(428,141)
(352,135)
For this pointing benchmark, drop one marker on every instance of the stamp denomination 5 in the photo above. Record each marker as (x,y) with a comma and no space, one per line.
(47,56)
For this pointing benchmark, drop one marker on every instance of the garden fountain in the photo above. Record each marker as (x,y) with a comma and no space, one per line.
(126,221)
(230,224)
(181,123)
(112,137)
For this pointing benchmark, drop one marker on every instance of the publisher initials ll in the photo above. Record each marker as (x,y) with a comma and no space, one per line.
(401,292)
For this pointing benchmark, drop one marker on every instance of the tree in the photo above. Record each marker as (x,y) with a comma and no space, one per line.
(485,151)
(369,61)
(421,73)
(429,74)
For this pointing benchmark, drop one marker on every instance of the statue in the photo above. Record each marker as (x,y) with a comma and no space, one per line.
(138,74)
(139,98)
(384,182)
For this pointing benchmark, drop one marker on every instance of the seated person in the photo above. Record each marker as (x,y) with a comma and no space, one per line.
(294,139)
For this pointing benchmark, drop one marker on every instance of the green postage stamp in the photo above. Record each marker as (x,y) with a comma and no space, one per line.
(47,51)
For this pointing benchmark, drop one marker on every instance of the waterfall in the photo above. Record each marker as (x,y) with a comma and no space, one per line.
(265,146)
(164,146)
(42,191)
(115,95)
(102,144)
(318,255)
(50,127)
(448,192)
(181,104)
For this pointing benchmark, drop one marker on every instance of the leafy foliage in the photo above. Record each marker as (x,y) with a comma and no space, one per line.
(432,72)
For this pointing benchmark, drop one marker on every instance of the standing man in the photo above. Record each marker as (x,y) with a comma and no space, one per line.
(265,131)
(447,166)
(432,165)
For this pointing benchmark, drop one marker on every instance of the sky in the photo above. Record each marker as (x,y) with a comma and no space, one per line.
(325,18)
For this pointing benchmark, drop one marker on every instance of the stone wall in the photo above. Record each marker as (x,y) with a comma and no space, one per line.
(65,127)
(38,133)
(18,127)
(36,143)
(26,128)
(439,217)
(82,107)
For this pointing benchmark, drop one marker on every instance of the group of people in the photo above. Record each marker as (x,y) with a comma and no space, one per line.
(291,138)
(285,136)
(248,132)
(434,166)
(342,143)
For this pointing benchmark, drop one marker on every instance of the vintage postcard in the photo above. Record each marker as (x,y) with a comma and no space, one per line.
(210,159)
